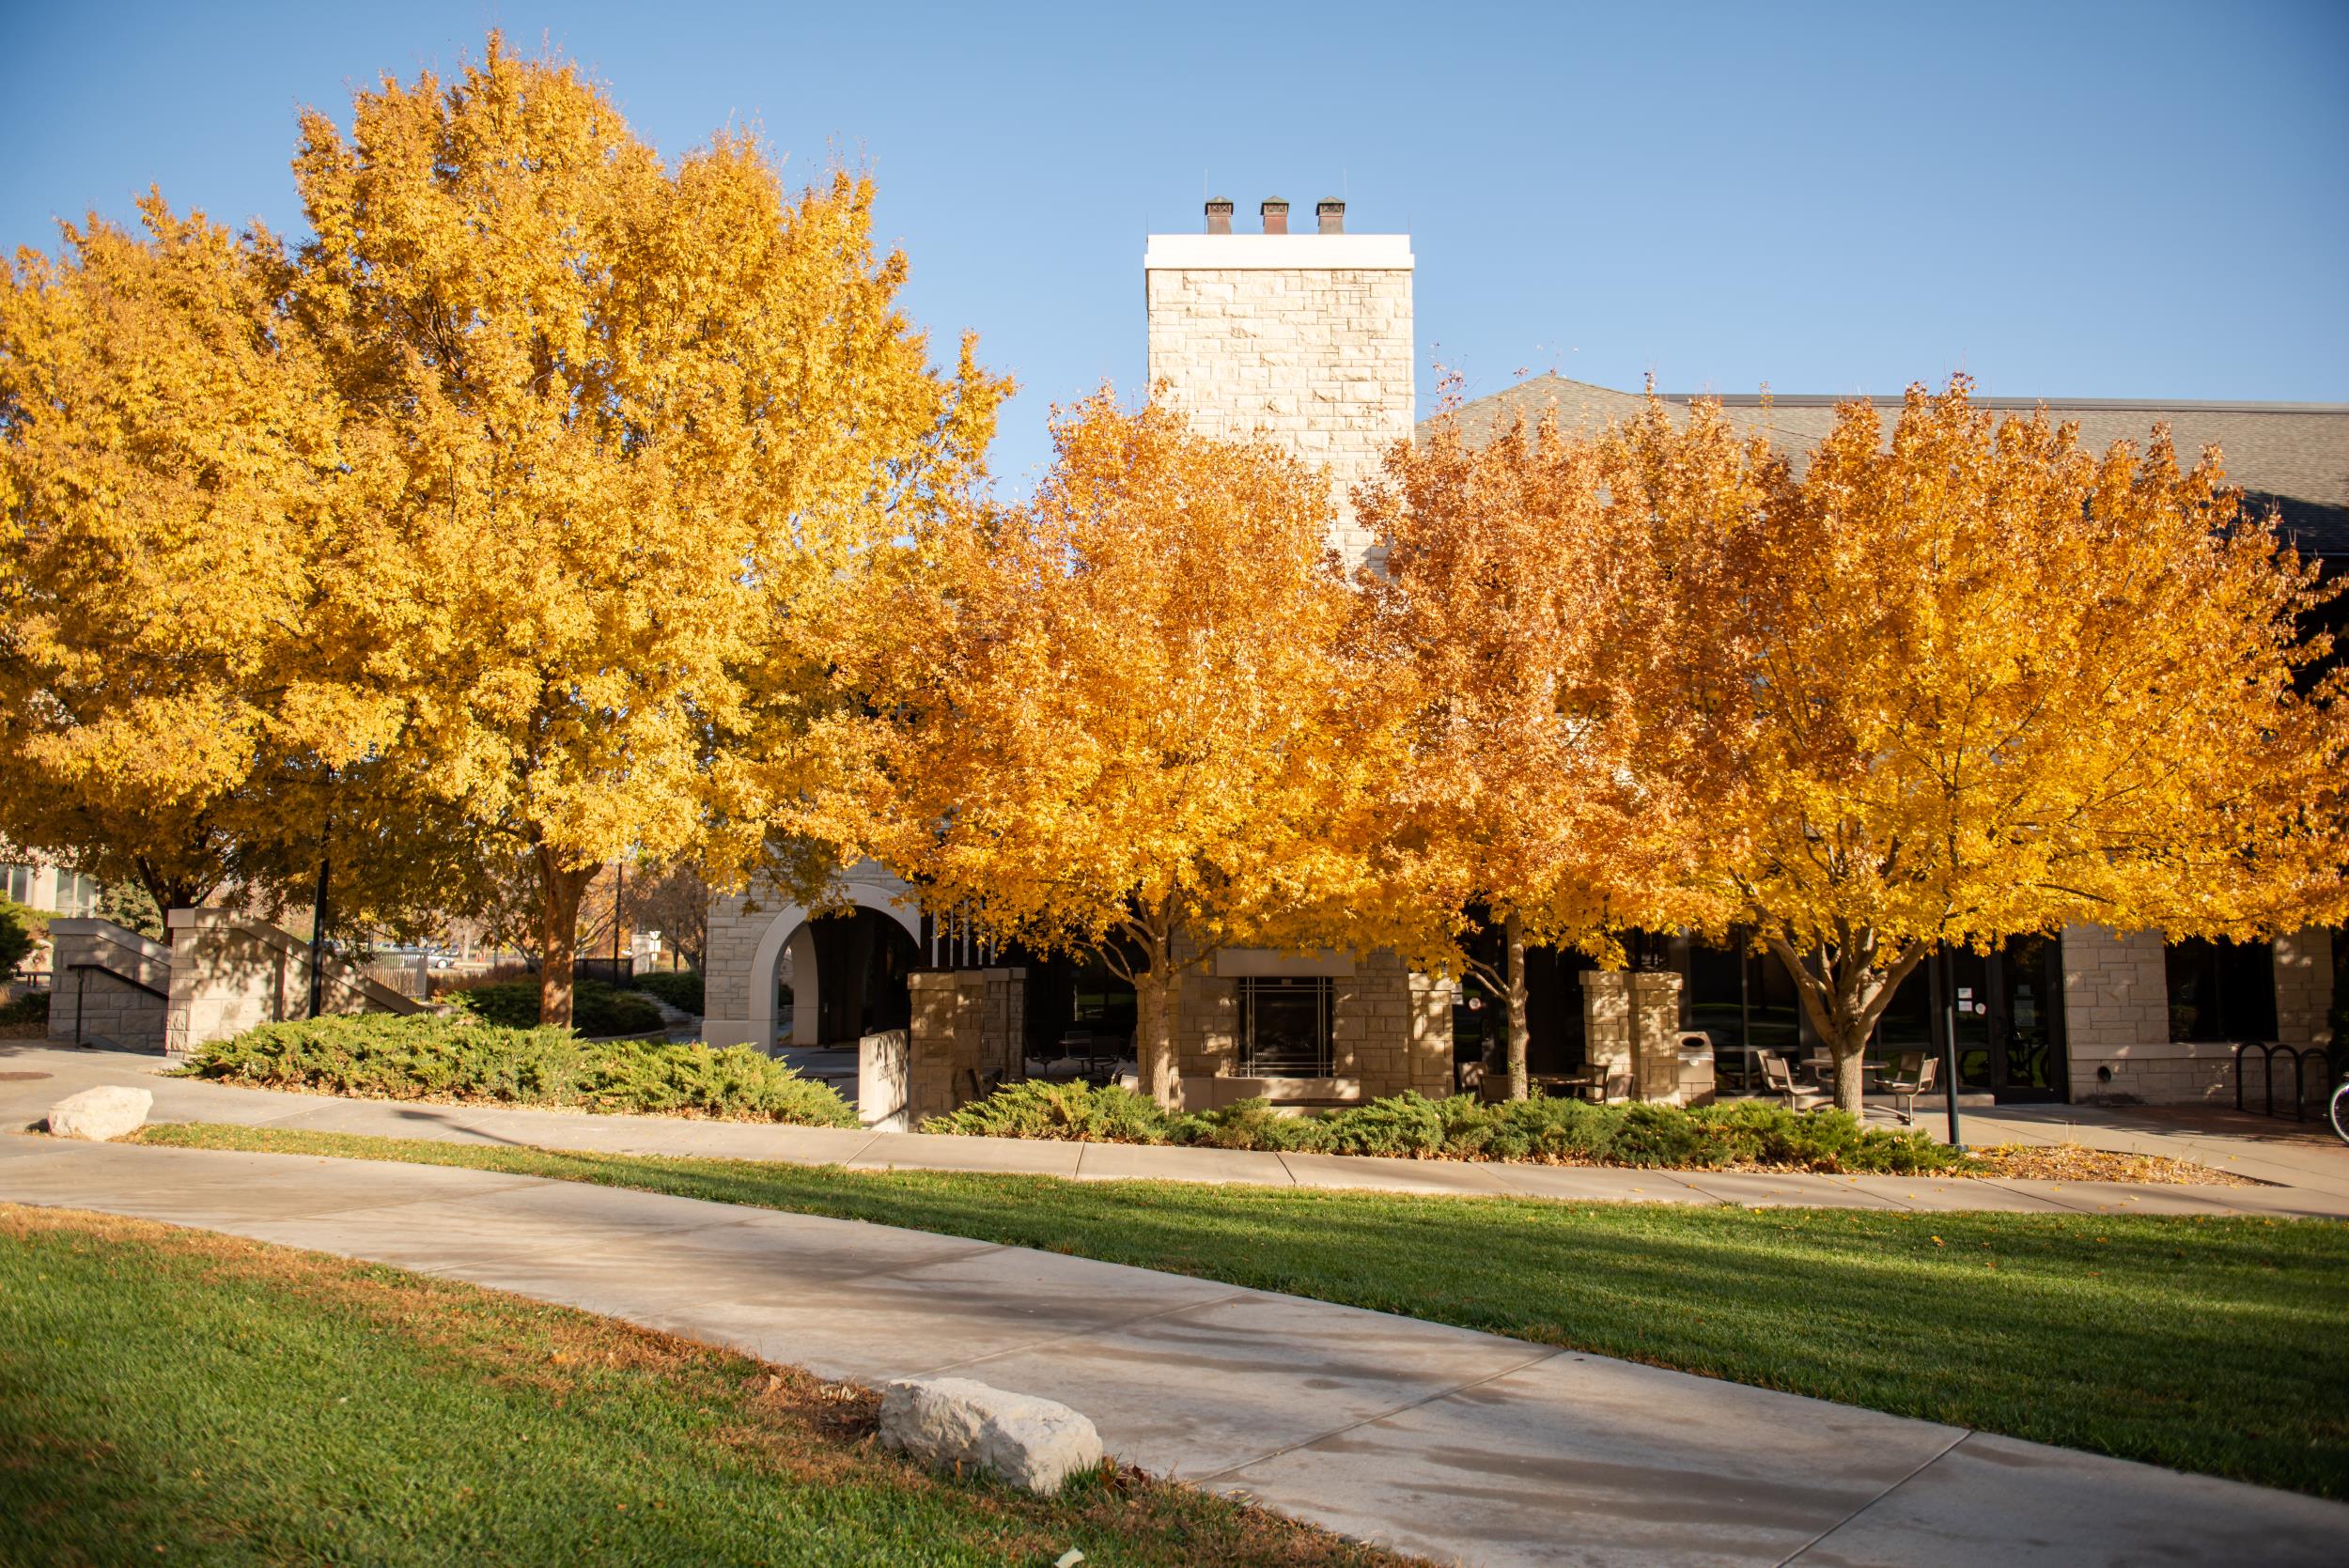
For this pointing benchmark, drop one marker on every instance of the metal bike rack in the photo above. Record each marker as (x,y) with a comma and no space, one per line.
(2267,1073)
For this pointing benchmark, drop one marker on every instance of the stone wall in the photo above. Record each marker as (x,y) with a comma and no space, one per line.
(229,974)
(103,983)
(1390,1029)
(1304,337)
(2116,1021)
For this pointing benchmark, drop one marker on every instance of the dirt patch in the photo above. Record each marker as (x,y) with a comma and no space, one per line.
(2075,1163)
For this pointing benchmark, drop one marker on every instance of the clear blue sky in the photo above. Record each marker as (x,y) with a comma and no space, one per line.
(2125,200)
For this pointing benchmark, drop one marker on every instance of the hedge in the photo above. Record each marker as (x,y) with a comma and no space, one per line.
(680,988)
(597,1011)
(427,1056)
(1546,1131)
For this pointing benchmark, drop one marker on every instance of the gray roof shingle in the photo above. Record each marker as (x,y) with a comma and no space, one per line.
(2294,457)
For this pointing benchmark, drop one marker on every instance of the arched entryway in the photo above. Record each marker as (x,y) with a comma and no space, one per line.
(861,958)
(845,971)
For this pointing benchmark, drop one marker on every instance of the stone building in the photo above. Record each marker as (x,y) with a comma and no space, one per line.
(1307,338)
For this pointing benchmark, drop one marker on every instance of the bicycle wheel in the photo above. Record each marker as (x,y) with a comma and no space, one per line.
(2341,1113)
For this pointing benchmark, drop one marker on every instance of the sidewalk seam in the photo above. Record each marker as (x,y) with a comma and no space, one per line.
(1550,1354)
(1922,1469)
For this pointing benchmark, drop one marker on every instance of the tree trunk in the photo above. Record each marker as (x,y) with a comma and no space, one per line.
(1154,1035)
(1850,1076)
(1520,1034)
(560,889)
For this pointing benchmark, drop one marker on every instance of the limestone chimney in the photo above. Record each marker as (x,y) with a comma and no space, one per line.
(1276,216)
(1220,215)
(1333,216)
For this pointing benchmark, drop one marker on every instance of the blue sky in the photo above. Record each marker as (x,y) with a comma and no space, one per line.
(2143,200)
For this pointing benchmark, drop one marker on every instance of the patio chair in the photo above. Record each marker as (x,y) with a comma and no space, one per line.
(1778,1077)
(1912,1077)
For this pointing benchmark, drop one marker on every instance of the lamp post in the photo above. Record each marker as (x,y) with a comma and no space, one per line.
(1949,1054)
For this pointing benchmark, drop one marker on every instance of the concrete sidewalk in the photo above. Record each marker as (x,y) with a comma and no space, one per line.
(2311,1184)
(1460,1446)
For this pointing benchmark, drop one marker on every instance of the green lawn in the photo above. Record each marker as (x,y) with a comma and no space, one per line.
(168,1397)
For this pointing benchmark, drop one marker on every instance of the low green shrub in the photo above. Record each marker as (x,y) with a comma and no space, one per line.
(597,1011)
(1411,1126)
(427,1056)
(1072,1112)
(29,1009)
(20,927)
(680,988)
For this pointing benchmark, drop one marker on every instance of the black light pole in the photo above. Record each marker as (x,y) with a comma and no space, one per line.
(619,886)
(317,940)
(1949,1054)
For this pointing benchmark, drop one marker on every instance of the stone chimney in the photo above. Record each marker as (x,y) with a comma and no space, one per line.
(1331,215)
(1276,216)
(1220,215)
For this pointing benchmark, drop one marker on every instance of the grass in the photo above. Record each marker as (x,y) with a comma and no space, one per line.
(171,1396)
(2216,1345)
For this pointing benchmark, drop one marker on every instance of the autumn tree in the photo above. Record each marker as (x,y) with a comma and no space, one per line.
(1508,619)
(170,485)
(1976,682)
(631,422)
(1124,711)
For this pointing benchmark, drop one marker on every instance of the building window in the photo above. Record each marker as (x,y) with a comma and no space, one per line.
(2222,990)
(16,883)
(1285,1027)
(77,894)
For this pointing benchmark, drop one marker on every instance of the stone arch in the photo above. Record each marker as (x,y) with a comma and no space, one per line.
(788,921)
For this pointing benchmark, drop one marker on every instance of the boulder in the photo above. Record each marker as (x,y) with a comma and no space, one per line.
(98,1114)
(1030,1442)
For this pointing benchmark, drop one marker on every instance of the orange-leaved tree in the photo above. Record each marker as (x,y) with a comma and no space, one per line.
(634,422)
(1513,622)
(1977,681)
(171,494)
(1127,717)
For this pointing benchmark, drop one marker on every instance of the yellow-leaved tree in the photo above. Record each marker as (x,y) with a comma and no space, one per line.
(1127,721)
(170,471)
(633,424)
(1511,617)
(1977,682)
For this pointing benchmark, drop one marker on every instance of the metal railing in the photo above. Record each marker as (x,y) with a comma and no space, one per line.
(2268,1072)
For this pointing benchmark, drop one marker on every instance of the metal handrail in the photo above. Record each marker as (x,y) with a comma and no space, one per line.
(2267,1073)
(81,986)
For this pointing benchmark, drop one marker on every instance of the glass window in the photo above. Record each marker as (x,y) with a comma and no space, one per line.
(2222,990)
(16,883)
(1743,998)
(1285,1027)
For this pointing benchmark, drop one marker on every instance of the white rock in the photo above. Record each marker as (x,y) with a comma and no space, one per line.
(1029,1442)
(98,1114)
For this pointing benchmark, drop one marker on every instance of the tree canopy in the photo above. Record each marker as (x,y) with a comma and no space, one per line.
(1974,681)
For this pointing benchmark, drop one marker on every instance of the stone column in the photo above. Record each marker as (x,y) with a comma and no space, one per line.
(1607,1031)
(1430,1038)
(1631,1032)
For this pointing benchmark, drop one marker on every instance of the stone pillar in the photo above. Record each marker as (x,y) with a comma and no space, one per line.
(1631,1032)
(2304,1005)
(1607,1031)
(1430,1039)
(1655,1034)
(967,1031)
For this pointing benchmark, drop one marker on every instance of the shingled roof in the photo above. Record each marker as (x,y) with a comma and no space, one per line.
(2294,457)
